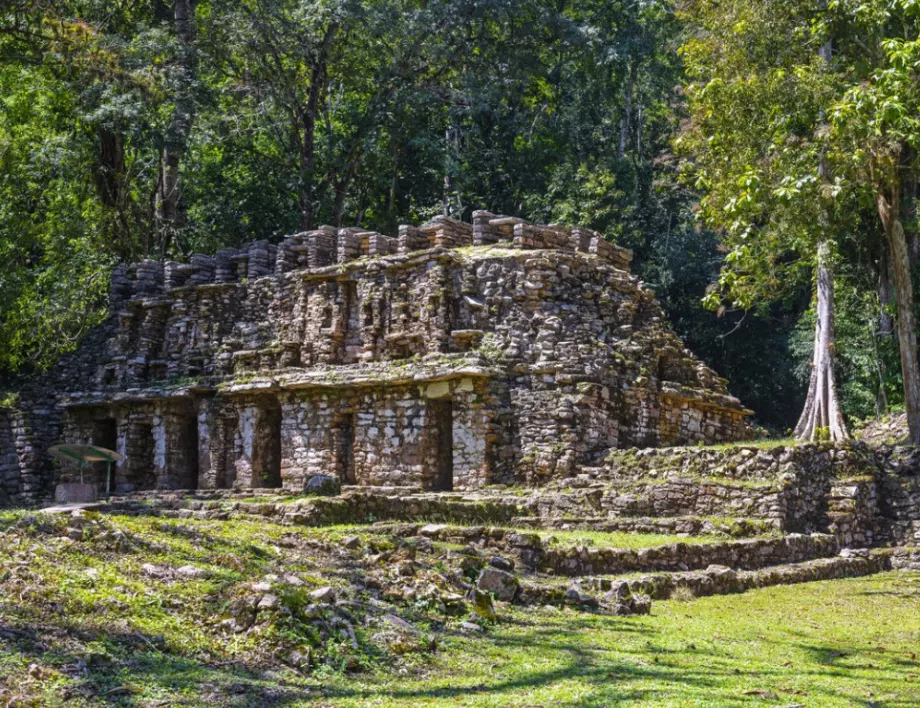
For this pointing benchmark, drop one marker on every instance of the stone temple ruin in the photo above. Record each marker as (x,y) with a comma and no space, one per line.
(451,356)
(435,375)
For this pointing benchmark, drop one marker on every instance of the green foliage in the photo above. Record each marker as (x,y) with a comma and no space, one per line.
(757,90)
(52,230)
(301,113)
(803,114)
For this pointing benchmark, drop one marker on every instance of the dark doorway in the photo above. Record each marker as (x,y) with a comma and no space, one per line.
(226,475)
(442,413)
(270,462)
(105,434)
(190,452)
(343,444)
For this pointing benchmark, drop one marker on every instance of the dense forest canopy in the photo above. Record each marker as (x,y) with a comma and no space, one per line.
(158,128)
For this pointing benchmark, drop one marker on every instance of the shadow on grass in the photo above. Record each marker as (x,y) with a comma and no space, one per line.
(139,669)
(136,668)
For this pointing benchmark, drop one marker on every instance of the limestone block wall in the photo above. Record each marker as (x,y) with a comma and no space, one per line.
(899,493)
(392,436)
(27,429)
(863,495)
(214,367)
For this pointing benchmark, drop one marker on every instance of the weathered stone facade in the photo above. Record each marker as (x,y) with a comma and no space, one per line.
(451,356)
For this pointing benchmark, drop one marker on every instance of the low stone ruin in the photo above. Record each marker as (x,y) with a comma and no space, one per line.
(449,356)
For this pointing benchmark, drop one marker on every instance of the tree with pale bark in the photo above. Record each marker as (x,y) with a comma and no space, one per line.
(824,133)
(756,144)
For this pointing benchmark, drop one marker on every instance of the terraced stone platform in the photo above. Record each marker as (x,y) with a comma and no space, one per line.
(583,541)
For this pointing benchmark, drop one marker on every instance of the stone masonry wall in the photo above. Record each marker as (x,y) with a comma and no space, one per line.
(531,349)
(863,495)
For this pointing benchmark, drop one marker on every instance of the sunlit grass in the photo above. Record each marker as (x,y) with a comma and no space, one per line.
(766,444)
(144,641)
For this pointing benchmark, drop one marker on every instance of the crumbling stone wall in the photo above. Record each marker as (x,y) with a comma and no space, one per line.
(451,355)
(862,494)
(898,493)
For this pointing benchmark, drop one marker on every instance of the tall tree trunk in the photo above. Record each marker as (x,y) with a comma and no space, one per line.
(445,206)
(908,204)
(309,115)
(395,155)
(307,168)
(338,205)
(110,168)
(110,178)
(889,212)
(822,417)
(180,127)
(627,109)
(883,327)
(453,197)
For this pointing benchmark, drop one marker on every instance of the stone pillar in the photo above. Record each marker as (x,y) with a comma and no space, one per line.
(246,432)
(205,420)
(120,476)
(158,428)
(259,461)
(470,426)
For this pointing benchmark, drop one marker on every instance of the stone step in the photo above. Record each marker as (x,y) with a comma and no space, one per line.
(723,580)
(355,507)
(549,556)
(626,506)
(906,532)
(749,554)
(680,496)
(673,498)
(735,527)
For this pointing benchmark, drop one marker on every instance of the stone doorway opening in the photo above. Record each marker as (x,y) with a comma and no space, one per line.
(105,434)
(267,465)
(442,413)
(189,443)
(344,448)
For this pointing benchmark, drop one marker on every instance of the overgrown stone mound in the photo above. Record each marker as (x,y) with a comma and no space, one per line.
(888,430)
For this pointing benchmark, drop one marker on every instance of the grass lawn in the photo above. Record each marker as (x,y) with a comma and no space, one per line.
(765,444)
(834,643)
(83,624)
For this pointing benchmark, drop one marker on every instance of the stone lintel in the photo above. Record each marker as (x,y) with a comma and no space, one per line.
(337,380)
(141,396)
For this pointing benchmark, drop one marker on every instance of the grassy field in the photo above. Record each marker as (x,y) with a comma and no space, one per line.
(83,624)
(837,643)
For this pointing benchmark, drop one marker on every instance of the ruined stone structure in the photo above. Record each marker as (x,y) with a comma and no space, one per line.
(451,356)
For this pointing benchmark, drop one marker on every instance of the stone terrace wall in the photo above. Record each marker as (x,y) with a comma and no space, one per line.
(864,495)
(898,493)
(743,462)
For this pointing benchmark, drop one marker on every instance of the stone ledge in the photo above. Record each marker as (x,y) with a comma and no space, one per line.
(721,580)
